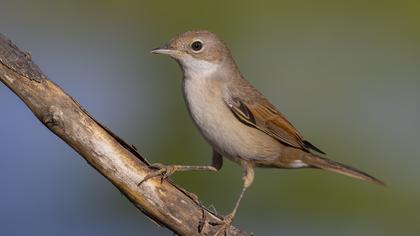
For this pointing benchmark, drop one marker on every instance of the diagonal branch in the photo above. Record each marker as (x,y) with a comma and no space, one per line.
(119,162)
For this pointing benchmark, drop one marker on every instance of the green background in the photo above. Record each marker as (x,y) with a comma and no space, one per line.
(345,73)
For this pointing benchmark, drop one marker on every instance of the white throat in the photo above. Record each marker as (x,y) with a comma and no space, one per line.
(196,68)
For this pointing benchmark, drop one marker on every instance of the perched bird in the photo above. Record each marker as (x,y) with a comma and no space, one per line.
(237,120)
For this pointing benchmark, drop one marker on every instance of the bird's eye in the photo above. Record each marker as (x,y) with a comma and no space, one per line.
(197,46)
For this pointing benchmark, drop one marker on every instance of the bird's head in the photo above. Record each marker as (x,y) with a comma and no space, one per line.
(198,52)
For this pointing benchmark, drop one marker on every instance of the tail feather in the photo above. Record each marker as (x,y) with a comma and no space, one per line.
(326,164)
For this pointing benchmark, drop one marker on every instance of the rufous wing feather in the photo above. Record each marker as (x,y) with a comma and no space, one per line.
(266,118)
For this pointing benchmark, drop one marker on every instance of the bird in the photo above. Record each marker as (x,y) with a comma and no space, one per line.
(237,121)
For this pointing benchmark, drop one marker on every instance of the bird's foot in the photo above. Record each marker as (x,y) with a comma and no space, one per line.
(225,225)
(164,171)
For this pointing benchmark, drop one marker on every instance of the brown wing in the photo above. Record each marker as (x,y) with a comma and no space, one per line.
(263,116)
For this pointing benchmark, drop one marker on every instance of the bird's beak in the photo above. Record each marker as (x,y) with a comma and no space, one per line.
(164,50)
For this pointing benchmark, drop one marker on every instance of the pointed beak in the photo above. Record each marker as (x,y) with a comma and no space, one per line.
(164,50)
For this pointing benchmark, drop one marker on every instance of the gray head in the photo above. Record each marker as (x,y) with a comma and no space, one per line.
(198,52)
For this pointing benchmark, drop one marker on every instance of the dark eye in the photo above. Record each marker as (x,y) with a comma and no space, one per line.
(197,45)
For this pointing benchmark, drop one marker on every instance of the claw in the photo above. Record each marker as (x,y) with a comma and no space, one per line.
(163,171)
(225,224)
(202,221)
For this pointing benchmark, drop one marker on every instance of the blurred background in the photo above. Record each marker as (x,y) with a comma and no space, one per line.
(346,74)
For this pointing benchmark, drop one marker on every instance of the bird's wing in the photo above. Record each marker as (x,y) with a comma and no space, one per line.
(258,112)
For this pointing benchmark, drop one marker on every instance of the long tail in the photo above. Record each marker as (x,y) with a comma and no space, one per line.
(326,164)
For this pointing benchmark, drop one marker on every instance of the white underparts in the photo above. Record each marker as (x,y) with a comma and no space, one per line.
(196,68)
(297,164)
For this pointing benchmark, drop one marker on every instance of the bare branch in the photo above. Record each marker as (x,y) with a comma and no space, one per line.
(119,162)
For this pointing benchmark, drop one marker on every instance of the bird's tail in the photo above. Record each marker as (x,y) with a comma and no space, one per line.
(326,164)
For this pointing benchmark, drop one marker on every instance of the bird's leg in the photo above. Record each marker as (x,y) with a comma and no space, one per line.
(248,179)
(164,171)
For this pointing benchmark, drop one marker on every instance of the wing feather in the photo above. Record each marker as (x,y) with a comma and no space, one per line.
(263,116)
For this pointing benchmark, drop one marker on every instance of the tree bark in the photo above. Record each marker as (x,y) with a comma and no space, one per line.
(164,203)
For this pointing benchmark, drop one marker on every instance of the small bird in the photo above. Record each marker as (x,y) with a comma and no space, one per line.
(236,119)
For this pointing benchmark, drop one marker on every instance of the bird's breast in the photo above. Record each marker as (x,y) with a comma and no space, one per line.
(205,101)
